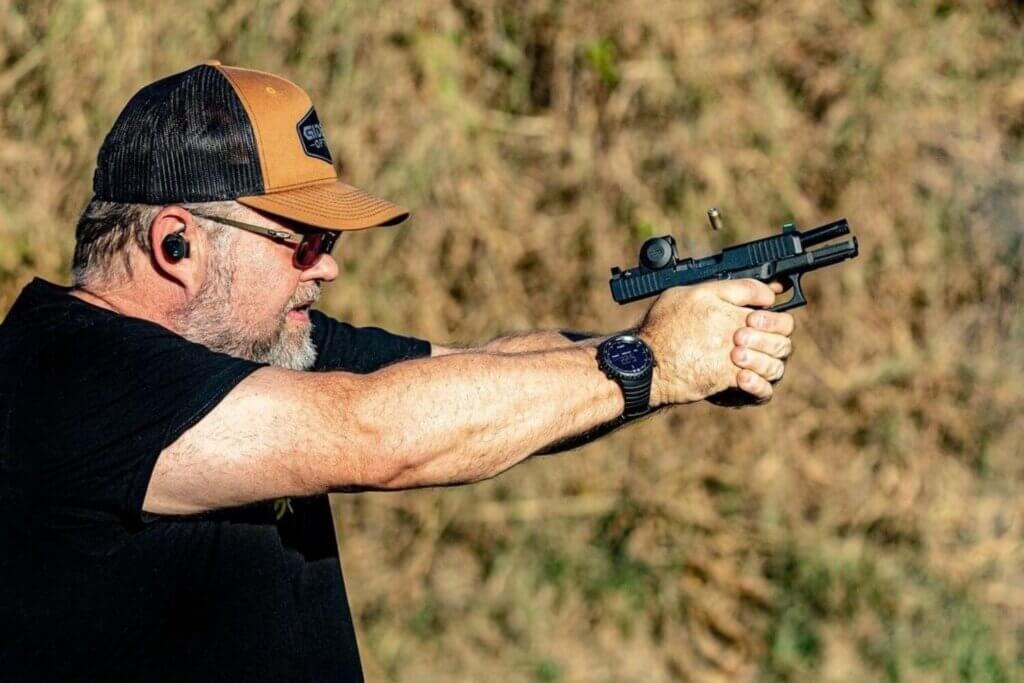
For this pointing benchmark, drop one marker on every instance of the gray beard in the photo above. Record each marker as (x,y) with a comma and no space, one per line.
(208,320)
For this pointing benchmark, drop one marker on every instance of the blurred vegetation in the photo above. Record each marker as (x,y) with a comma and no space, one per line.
(867,525)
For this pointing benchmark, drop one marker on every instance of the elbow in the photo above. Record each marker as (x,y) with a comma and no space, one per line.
(390,444)
(375,451)
(394,475)
(383,469)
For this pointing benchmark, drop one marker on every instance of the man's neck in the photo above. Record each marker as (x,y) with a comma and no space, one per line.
(123,301)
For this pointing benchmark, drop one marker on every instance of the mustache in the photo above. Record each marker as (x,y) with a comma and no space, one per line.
(307,295)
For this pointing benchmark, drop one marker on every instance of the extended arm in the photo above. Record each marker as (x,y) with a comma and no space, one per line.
(437,421)
(456,418)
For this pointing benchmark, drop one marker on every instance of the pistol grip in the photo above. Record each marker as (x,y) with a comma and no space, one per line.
(798,299)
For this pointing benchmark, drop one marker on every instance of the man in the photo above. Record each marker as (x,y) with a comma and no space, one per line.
(152,413)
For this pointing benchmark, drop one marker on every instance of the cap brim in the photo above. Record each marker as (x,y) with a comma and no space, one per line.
(332,205)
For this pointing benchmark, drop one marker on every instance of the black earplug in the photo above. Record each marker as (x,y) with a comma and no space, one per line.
(175,247)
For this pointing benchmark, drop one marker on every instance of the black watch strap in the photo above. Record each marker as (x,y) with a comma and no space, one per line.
(636,391)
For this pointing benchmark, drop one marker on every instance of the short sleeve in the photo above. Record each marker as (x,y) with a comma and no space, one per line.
(101,403)
(341,346)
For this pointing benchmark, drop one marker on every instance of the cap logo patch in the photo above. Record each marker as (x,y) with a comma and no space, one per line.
(311,136)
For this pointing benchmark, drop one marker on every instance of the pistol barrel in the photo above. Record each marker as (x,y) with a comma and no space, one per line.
(825,233)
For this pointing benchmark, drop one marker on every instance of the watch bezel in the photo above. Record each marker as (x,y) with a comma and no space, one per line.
(608,363)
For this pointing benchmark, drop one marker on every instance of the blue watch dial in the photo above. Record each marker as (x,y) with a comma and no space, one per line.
(628,355)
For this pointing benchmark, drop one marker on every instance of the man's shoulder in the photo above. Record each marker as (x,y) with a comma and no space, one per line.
(49,325)
(42,325)
(56,342)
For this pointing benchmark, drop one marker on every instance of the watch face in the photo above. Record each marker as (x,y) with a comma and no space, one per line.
(627,355)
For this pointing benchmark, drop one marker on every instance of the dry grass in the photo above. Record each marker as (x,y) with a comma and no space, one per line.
(867,525)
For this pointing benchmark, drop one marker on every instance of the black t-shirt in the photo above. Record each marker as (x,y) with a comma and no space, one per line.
(92,588)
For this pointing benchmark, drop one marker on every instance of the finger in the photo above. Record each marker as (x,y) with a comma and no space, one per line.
(778,323)
(775,345)
(769,368)
(754,385)
(745,292)
(777,286)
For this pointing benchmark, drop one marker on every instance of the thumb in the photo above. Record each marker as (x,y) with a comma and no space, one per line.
(746,292)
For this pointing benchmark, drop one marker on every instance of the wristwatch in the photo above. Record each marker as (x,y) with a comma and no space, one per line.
(627,360)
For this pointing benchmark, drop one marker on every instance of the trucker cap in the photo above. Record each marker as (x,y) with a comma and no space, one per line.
(217,132)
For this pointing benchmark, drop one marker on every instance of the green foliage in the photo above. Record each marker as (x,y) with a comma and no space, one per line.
(601,56)
(905,626)
(547,671)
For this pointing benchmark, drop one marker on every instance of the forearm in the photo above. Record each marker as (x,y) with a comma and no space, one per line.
(550,339)
(467,416)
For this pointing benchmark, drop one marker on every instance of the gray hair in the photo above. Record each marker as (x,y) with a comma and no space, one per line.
(107,232)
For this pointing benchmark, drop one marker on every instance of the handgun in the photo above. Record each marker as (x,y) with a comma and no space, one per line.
(783,258)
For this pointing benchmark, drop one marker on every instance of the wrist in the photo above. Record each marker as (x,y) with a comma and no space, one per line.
(657,396)
(628,361)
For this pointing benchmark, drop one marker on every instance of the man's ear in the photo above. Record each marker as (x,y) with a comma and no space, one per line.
(179,248)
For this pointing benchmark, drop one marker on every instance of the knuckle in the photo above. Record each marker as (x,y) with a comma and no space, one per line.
(753,288)
(779,346)
(779,371)
(689,296)
(706,294)
(764,392)
(738,356)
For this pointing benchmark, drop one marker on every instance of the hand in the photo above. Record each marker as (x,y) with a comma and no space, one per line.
(707,339)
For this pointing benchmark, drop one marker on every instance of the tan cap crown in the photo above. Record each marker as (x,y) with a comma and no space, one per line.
(299,179)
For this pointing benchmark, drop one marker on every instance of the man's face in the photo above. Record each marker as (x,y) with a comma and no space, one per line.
(254,302)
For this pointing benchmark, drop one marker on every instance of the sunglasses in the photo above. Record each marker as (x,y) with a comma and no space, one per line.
(309,246)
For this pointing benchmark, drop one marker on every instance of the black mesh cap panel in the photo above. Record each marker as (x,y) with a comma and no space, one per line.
(185,138)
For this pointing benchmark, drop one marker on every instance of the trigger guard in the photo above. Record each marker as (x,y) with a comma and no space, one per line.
(798,299)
